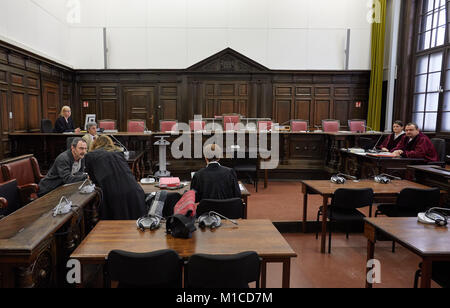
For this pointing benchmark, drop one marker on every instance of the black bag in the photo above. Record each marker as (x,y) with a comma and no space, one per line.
(180,226)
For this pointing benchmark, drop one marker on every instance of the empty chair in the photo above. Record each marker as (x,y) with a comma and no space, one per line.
(439,145)
(230,208)
(250,170)
(222,271)
(167,126)
(299,126)
(46,126)
(264,125)
(10,199)
(357,126)
(136,126)
(25,169)
(440,274)
(158,269)
(196,126)
(107,124)
(331,126)
(410,202)
(344,205)
(230,122)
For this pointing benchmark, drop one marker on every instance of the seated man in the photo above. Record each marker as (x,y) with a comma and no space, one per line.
(67,168)
(215,181)
(415,145)
(91,135)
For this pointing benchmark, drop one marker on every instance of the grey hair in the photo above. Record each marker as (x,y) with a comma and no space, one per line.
(212,152)
(76,140)
(90,124)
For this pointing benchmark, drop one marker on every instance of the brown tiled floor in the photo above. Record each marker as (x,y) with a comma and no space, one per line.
(345,266)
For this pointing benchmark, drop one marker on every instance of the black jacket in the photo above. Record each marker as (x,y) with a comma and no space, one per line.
(215,182)
(61,173)
(61,126)
(123,197)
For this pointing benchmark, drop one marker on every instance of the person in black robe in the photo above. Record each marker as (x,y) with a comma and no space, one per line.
(123,198)
(215,181)
(64,124)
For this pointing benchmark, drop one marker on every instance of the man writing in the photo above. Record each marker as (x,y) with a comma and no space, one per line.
(415,145)
(68,168)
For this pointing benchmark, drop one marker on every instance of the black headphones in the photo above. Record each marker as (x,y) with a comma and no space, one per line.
(336,179)
(438,218)
(382,179)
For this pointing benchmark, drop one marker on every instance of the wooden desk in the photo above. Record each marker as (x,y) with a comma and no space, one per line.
(149,188)
(433,176)
(34,245)
(430,242)
(251,235)
(365,166)
(327,189)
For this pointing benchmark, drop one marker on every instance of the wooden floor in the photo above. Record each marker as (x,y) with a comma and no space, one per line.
(345,266)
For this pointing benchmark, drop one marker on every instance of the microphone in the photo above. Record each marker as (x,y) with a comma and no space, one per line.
(226,218)
(374,149)
(368,127)
(126,153)
(146,131)
(318,127)
(348,176)
(87,189)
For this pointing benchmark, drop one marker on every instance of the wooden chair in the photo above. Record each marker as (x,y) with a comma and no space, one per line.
(136,126)
(299,126)
(166,126)
(107,124)
(331,126)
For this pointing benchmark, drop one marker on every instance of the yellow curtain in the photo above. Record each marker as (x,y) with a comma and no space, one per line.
(377,63)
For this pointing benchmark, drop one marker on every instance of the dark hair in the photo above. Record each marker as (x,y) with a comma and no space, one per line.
(76,140)
(399,123)
(413,124)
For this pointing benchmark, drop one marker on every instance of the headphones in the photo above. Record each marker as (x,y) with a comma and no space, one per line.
(337,179)
(87,187)
(212,220)
(382,179)
(438,218)
(148,222)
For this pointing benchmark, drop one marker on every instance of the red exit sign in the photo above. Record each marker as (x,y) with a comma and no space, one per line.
(86,104)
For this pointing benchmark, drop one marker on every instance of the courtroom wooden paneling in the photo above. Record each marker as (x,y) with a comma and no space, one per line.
(50,101)
(140,105)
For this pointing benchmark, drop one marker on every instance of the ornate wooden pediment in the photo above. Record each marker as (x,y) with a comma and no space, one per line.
(228,60)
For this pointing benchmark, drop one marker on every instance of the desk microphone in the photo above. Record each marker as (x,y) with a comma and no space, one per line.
(318,127)
(374,149)
(391,176)
(146,131)
(368,127)
(126,153)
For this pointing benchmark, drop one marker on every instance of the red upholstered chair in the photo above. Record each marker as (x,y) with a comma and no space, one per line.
(331,126)
(107,124)
(168,125)
(357,126)
(25,169)
(264,125)
(230,122)
(136,126)
(197,125)
(299,126)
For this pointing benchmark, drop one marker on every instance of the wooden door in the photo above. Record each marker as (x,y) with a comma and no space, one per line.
(140,105)
(50,101)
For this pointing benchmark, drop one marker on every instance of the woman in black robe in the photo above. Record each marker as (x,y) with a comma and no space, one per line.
(64,124)
(123,198)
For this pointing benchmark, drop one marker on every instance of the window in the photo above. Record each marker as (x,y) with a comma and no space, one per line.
(431,98)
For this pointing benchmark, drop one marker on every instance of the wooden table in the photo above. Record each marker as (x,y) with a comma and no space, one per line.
(327,189)
(430,242)
(149,188)
(434,176)
(251,235)
(34,245)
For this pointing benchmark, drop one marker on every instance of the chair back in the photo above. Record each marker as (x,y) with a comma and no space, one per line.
(136,126)
(197,125)
(264,125)
(331,126)
(107,124)
(222,271)
(357,126)
(161,268)
(46,126)
(299,126)
(347,198)
(439,145)
(416,200)
(230,208)
(10,192)
(25,170)
(167,125)
(230,122)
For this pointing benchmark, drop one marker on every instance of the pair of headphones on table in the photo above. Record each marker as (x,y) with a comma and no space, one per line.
(149,222)
(385,178)
(212,220)
(337,179)
(434,215)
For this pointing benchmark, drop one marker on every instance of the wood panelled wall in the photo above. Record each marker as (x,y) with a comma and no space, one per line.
(31,88)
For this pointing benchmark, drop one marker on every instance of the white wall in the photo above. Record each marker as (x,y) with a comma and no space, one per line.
(37,28)
(280,34)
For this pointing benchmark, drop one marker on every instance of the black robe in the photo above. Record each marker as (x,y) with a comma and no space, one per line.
(61,126)
(215,182)
(123,198)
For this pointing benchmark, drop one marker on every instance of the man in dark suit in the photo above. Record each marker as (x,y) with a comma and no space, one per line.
(215,181)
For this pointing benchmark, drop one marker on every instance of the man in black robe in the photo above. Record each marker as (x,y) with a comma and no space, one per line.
(215,181)
(123,198)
